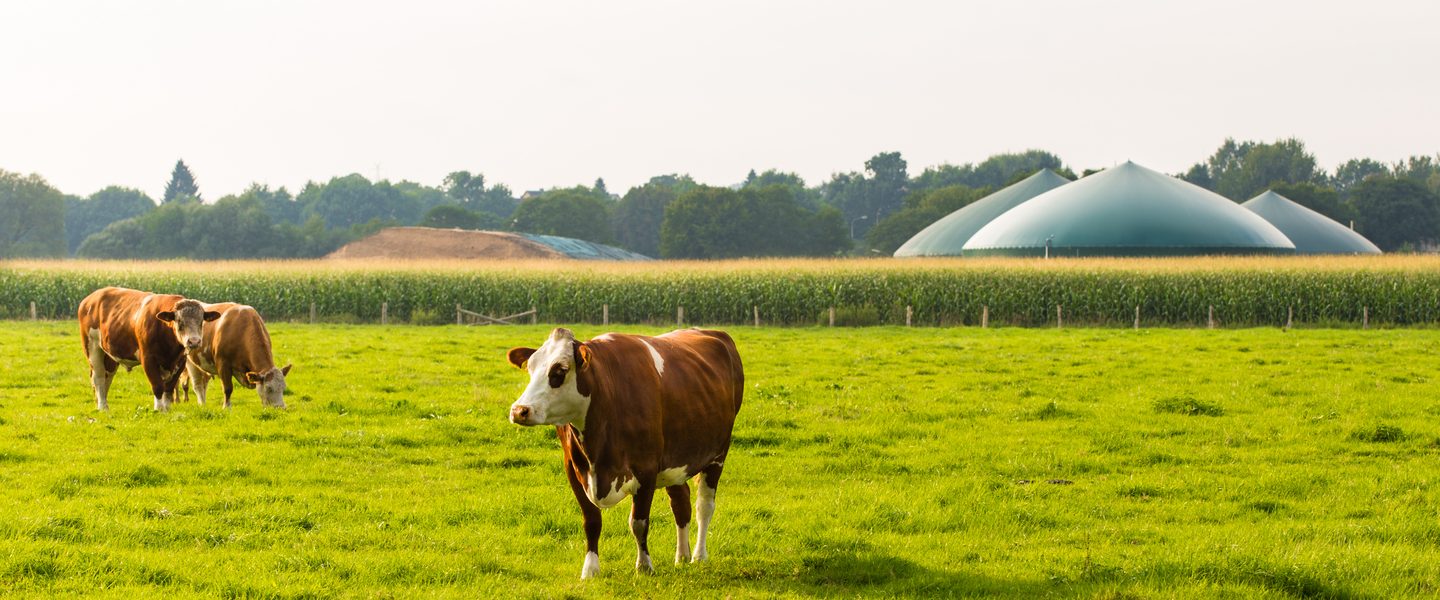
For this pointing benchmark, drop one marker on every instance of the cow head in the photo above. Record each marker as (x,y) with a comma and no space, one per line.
(555,395)
(187,320)
(270,385)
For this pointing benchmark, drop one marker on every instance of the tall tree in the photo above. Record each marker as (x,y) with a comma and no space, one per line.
(1396,213)
(599,187)
(1240,171)
(639,215)
(182,184)
(1350,173)
(471,192)
(921,209)
(87,216)
(352,200)
(769,221)
(996,171)
(872,195)
(568,212)
(32,217)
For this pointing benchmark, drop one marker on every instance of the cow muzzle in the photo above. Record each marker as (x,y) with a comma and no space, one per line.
(522,415)
(192,343)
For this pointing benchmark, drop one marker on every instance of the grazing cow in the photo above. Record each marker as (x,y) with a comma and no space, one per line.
(119,326)
(636,413)
(236,346)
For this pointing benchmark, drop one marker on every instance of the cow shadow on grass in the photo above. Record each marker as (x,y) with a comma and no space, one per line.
(870,573)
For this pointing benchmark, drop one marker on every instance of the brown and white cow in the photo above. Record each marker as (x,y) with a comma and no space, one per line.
(633,414)
(236,346)
(120,326)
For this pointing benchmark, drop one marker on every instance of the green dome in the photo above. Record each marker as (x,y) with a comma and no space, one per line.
(947,236)
(1128,210)
(1312,232)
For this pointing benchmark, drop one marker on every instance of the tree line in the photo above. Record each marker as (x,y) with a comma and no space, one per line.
(770,213)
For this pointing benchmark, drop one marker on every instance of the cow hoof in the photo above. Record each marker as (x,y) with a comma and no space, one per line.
(643,565)
(592,566)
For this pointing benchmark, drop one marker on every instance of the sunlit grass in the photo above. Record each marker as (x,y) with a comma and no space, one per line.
(867,462)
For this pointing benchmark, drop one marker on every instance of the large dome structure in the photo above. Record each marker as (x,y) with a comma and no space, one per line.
(1128,210)
(947,236)
(1312,232)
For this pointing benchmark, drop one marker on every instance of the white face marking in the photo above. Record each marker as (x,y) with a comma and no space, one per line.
(655,356)
(272,389)
(553,405)
(592,566)
(669,477)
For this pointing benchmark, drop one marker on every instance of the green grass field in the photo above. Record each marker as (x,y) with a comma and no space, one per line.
(875,462)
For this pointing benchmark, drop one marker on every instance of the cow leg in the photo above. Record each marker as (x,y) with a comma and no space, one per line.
(228,384)
(198,378)
(640,525)
(102,373)
(680,505)
(158,384)
(705,507)
(593,521)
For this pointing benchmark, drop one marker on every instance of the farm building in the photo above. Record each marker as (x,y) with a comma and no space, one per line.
(1128,210)
(947,236)
(419,243)
(1312,232)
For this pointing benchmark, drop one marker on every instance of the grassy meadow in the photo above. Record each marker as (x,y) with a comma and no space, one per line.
(868,462)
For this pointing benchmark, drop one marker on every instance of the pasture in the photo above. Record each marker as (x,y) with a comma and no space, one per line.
(874,462)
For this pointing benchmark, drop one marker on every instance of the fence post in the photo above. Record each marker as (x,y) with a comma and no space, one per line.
(33,315)
(1364,316)
(384,313)
(1290,318)
(832,316)
(984,316)
(534,315)
(756,308)
(604,314)
(679,316)
(458,320)
(312,313)
(1210,318)
(1137,316)
(1059,318)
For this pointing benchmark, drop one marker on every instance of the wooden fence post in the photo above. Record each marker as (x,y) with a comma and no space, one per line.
(909,312)
(1137,316)
(534,315)
(312,313)
(984,316)
(679,316)
(1364,316)
(458,316)
(605,314)
(33,315)
(1059,318)
(756,308)
(384,313)
(1290,318)
(1210,318)
(832,316)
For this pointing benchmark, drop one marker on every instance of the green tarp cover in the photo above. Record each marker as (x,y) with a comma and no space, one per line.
(947,236)
(1312,232)
(1128,210)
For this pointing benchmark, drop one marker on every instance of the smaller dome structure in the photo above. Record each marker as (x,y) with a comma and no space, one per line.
(1312,232)
(947,236)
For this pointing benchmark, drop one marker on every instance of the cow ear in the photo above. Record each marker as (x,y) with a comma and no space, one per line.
(253,377)
(167,316)
(519,356)
(286,370)
(582,356)
(211,315)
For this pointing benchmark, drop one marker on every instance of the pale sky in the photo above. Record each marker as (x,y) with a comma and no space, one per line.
(544,94)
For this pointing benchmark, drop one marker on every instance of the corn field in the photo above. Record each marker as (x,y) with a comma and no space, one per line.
(1334,291)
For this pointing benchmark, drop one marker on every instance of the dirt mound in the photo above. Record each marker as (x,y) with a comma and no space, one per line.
(426,242)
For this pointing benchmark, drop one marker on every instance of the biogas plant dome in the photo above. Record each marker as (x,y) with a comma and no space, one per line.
(1128,210)
(947,236)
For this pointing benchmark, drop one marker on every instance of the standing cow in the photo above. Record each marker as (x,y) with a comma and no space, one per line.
(120,326)
(236,346)
(636,413)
